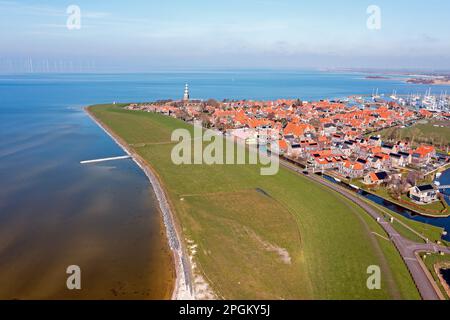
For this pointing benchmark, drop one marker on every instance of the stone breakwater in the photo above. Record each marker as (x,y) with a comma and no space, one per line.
(183,285)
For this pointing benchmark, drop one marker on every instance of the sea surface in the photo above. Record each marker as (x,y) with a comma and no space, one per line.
(55,212)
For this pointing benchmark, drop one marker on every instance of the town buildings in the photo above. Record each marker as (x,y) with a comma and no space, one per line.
(332,136)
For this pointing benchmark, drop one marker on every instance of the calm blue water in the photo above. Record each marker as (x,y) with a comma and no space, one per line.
(55,212)
(446,274)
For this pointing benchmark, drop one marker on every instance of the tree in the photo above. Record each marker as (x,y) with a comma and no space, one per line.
(220,126)
(206,122)
(392,135)
(395,193)
(413,177)
(213,103)
(183,115)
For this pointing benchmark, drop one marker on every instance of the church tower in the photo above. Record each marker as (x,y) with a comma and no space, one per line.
(186,93)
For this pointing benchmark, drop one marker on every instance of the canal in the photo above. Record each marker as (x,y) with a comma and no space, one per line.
(446,275)
(444,222)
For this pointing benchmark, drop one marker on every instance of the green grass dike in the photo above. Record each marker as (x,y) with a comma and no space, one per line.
(264,237)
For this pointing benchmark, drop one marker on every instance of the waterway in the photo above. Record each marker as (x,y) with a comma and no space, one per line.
(446,275)
(439,222)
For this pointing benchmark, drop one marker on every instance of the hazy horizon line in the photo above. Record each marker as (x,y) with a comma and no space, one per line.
(238,68)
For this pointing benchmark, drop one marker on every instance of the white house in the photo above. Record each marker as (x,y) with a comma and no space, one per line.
(423,194)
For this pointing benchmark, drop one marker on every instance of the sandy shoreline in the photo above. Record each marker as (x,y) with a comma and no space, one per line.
(183,289)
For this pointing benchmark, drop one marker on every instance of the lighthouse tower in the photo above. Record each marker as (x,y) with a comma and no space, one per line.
(186,93)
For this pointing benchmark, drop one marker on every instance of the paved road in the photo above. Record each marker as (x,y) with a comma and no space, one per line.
(406,248)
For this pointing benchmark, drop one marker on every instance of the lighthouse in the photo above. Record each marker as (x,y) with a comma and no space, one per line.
(186,93)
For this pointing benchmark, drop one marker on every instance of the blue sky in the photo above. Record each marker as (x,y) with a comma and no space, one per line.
(147,35)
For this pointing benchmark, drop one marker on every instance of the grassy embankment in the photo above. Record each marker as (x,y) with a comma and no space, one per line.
(268,237)
(433,233)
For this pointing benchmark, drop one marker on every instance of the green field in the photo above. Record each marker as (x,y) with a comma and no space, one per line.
(422,132)
(265,237)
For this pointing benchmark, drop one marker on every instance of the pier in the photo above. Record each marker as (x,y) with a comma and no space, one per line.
(105,159)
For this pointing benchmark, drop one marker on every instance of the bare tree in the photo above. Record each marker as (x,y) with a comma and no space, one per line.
(413,177)
(206,122)
(213,103)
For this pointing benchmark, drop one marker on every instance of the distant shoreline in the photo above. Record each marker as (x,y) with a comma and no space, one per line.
(377,78)
(182,288)
(424,80)
(432,81)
